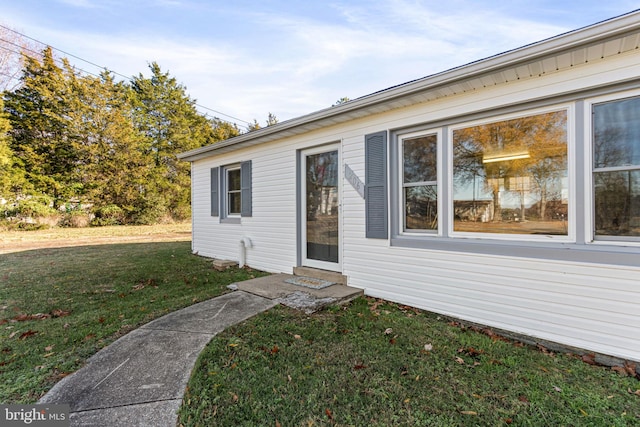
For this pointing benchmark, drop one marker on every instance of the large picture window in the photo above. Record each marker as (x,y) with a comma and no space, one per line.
(616,167)
(419,182)
(511,176)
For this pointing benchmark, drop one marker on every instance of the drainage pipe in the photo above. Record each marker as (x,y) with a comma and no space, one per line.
(245,243)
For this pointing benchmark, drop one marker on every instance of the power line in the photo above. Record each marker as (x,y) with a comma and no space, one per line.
(129,78)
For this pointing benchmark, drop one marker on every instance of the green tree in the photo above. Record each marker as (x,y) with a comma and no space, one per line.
(115,171)
(171,124)
(12,179)
(38,113)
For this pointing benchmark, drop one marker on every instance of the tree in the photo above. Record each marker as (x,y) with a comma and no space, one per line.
(38,112)
(13,49)
(109,145)
(272,119)
(170,123)
(341,101)
(12,179)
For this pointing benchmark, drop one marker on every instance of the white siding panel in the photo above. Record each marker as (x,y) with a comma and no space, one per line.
(589,306)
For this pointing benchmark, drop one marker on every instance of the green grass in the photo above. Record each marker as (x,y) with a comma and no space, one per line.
(59,306)
(366,365)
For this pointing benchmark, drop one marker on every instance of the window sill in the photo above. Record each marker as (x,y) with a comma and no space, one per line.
(230,221)
(554,251)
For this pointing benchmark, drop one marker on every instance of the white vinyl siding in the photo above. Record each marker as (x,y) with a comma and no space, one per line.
(591,305)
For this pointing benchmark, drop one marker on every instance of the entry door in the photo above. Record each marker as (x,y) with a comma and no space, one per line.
(321,208)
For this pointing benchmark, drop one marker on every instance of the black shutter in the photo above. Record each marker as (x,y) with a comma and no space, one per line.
(376,206)
(245,187)
(215,188)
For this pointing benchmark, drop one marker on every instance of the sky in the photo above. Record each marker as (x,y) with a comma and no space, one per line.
(245,59)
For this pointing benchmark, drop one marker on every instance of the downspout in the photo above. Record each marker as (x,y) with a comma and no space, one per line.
(245,243)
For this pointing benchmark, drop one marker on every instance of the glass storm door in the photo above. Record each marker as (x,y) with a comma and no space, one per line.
(321,209)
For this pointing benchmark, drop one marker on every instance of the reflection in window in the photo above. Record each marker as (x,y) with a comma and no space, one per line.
(616,162)
(234,199)
(510,177)
(419,170)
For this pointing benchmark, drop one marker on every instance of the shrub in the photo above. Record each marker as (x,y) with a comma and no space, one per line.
(74,219)
(108,215)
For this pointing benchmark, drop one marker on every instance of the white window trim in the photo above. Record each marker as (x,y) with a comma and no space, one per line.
(226,213)
(439,176)
(589,190)
(571,176)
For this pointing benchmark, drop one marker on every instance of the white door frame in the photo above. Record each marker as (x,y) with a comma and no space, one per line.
(307,262)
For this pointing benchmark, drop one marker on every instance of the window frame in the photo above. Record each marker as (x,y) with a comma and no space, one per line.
(591,170)
(570,237)
(437,132)
(227,192)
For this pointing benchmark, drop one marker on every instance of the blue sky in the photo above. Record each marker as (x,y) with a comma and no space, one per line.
(247,58)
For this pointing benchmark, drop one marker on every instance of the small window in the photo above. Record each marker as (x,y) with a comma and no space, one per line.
(419,183)
(234,189)
(616,168)
(511,176)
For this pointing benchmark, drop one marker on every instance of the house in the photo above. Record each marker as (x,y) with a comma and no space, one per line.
(505,192)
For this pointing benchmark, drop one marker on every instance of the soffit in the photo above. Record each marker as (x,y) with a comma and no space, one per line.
(610,38)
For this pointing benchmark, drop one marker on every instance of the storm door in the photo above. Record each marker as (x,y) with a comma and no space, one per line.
(320,200)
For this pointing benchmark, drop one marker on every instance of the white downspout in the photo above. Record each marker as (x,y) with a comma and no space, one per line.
(245,243)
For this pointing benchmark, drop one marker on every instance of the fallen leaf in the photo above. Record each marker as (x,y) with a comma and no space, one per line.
(637,392)
(588,358)
(233,345)
(278,424)
(469,412)
(48,348)
(392,341)
(275,349)
(297,336)
(428,347)
(25,317)
(13,334)
(388,331)
(359,366)
(329,414)
(508,420)
(27,334)
(49,354)
(460,360)
(60,313)
(558,389)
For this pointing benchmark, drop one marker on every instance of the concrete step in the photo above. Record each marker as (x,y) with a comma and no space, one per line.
(316,273)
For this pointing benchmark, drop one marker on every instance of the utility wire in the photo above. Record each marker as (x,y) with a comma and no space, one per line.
(101,67)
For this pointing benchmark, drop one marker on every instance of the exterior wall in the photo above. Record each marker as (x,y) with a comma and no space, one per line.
(591,306)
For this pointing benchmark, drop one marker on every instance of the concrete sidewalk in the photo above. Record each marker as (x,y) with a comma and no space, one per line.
(140,379)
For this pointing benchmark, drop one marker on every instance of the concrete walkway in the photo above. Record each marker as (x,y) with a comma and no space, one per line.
(140,379)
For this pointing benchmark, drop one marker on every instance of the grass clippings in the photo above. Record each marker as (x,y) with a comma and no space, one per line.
(380,364)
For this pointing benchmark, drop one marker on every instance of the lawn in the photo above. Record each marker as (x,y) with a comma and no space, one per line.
(369,363)
(375,363)
(58,306)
